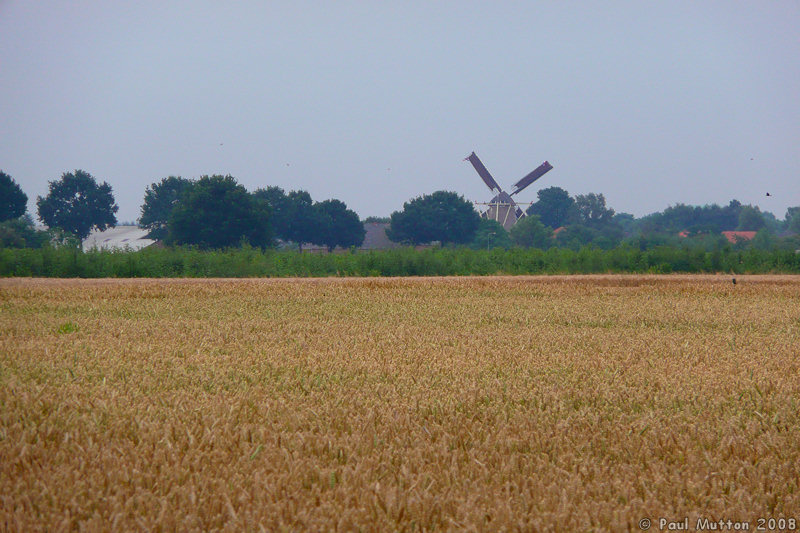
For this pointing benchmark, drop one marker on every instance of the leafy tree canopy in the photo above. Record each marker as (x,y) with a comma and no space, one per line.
(296,218)
(531,233)
(750,219)
(377,220)
(625,221)
(442,216)
(304,224)
(576,236)
(77,204)
(771,222)
(20,233)
(592,210)
(764,240)
(695,219)
(339,226)
(555,207)
(793,219)
(217,212)
(281,210)
(159,200)
(491,234)
(13,201)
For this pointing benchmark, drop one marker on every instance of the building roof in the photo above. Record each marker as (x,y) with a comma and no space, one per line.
(735,236)
(375,238)
(118,238)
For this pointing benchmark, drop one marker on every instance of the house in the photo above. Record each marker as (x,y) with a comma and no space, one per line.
(375,237)
(739,236)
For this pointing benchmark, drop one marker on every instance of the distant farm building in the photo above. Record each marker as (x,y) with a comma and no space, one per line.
(135,238)
(739,236)
(732,236)
(118,238)
(375,238)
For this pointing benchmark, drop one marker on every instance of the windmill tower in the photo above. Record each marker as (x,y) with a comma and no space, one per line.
(502,207)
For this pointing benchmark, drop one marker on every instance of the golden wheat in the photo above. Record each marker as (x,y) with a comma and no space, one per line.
(529,403)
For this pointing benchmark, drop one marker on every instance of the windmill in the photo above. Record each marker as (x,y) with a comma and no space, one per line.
(502,207)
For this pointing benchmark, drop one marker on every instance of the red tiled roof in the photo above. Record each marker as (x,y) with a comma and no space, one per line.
(734,236)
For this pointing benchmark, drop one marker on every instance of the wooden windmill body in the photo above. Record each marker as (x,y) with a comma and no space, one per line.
(502,207)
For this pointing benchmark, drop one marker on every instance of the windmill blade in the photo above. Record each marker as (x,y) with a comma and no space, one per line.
(540,171)
(483,173)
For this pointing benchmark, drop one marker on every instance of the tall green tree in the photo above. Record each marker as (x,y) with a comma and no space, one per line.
(280,207)
(764,239)
(490,234)
(793,219)
(159,200)
(304,224)
(555,207)
(531,233)
(771,222)
(217,212)
(442,216)
(77,204)
(592,210)
(13,201)
(20,233)
(294,216)
(594,215)
(694,219)
(750,219)
(626,221)
(728,218)
(576,236)
(339,226)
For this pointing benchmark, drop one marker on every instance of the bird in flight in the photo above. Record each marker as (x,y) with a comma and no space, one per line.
(768,194)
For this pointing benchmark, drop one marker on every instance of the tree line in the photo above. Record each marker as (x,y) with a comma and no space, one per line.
(559,220)
(210,212)
(214,212)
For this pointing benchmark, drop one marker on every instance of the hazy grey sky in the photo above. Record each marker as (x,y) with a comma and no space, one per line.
(650,103)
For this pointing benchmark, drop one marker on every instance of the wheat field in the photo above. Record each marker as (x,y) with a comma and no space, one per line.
(580,403)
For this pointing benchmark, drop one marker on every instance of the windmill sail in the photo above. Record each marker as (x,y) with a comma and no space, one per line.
(540,171)
(483,173)
(502,208)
